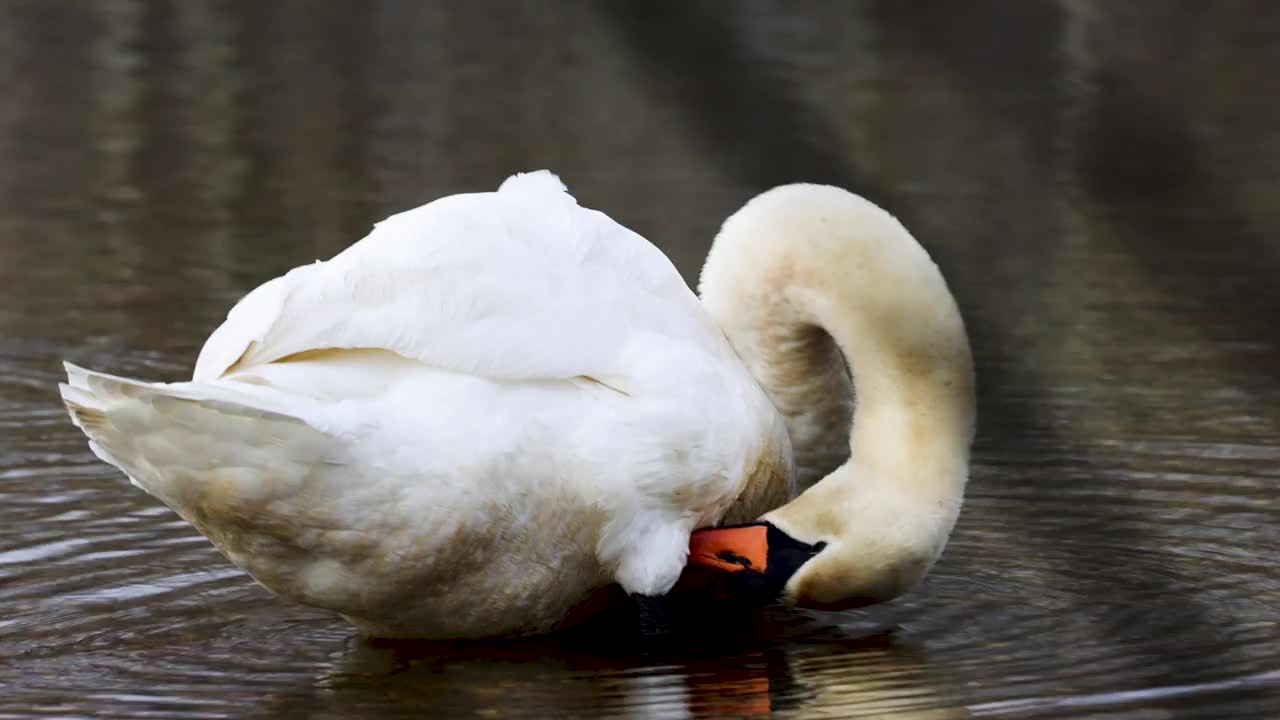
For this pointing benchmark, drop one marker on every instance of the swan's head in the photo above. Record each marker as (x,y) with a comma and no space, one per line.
(840,545)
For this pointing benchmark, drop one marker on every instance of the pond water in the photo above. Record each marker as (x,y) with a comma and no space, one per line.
(1098,182)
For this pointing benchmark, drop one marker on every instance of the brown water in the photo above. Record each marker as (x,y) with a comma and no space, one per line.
(1097,180)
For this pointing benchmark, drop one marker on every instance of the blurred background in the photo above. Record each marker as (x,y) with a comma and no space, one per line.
(1097,180)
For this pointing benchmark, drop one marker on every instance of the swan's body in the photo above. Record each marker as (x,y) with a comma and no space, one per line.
(461,426)
(496,404)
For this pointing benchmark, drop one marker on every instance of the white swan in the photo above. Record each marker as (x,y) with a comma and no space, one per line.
(497,404)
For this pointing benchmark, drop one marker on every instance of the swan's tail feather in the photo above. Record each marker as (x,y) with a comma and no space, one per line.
(89,413)
(179,441)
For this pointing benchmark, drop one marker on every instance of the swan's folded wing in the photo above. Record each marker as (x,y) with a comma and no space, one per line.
(518,284)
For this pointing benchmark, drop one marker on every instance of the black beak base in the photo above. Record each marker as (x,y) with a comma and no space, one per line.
(785,556)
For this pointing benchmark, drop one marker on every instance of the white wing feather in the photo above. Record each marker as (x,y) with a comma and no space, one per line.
(450,284)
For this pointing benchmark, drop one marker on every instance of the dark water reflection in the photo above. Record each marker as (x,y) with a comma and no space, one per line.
(1098,181)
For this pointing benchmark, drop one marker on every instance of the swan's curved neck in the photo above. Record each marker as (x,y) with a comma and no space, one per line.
(805,278)
(913,376)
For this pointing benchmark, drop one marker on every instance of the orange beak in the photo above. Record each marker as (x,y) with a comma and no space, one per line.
(731,549)
(750,562)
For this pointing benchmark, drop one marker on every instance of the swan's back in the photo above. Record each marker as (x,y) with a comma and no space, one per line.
(517,284)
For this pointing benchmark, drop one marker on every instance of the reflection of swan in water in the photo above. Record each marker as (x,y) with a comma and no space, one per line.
(791,665)
(497,404)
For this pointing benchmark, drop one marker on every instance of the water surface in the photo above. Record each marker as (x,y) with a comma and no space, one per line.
(1097,181)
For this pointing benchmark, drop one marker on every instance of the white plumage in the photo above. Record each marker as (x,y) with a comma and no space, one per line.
(460,426)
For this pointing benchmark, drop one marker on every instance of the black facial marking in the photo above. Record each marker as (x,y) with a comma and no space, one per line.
(786,555)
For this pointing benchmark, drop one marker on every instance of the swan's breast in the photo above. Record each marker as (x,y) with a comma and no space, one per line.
(769,476)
